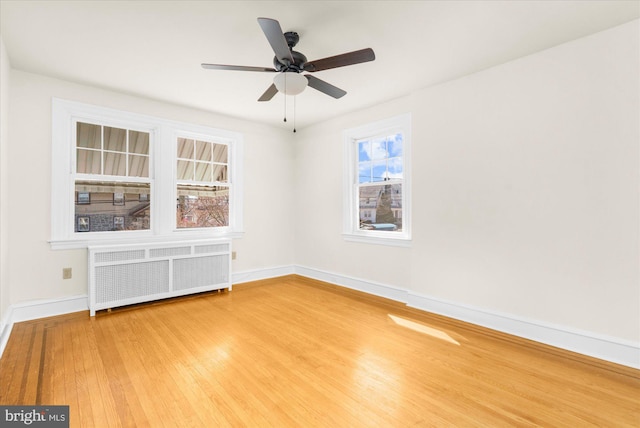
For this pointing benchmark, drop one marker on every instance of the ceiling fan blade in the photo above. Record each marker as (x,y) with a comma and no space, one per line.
(324,87)
(269,93)
(275,36)
(350,58)
(237,68)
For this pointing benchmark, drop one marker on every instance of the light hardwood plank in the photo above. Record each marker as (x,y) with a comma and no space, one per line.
(292,352)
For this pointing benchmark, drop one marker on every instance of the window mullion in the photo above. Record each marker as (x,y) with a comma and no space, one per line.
(193,160)
(126,153)
(101,150)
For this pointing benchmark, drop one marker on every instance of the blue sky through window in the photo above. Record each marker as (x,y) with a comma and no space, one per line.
(380,159)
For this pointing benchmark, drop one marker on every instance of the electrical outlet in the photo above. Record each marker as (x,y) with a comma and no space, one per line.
(233,255)
(66,273)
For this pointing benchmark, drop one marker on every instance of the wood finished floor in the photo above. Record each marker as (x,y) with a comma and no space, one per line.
(293,352)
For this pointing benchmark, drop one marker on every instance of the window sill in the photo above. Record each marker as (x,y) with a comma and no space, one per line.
(378,240)
(74,244)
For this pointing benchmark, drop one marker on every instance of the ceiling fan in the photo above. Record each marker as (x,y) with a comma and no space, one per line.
(289,64)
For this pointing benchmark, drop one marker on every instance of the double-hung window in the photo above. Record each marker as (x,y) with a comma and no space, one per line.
(202,183)
(377,182)
(120,177)
(112,183)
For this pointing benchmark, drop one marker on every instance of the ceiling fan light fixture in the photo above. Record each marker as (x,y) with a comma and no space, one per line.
(290,83)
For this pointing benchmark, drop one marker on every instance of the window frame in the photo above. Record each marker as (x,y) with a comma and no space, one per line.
(162,157)
(351,185)
(231,153)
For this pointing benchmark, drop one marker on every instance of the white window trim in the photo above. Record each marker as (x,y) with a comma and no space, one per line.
(163,140)
(351,230)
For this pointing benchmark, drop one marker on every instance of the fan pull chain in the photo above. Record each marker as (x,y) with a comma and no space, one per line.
(285,97)
(294,113)
(285,104)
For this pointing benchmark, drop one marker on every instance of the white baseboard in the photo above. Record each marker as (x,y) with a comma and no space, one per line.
(39,309)
(48,308)
(258,274)
(610,349)
(375,288)
(606,348)
(5,329)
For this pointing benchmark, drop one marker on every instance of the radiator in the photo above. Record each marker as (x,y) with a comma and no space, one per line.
(122,275)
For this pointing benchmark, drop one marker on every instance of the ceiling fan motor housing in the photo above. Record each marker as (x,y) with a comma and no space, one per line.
(292,38)
(298,62)
(299,59)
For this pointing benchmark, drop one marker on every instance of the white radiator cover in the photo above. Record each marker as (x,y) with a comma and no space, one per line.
(127,274)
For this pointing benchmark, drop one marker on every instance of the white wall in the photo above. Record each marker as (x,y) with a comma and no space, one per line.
(36,270)
(530,187)
(319,169)
(5,71)
(525,190)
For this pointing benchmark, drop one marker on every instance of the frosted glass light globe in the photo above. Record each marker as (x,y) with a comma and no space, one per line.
(290,83)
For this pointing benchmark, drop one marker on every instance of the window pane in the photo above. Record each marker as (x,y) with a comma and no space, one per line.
(185,148)
(220,173)
(88,135)
(115,163)
(138,166)
(380,207)
(202,207)
(364,172)
(185,170)
(203,151)
(97,210)
(379,148)
(102,151)
(220,153)
(115,139)
(203,172)
(364,151)
(380,171)
(395,168)
(394,145)
(88,161)
(139,142)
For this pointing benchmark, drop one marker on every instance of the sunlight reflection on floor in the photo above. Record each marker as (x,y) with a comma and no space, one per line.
(420,328)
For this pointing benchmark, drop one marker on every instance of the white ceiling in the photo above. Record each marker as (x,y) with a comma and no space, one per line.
(154,48)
